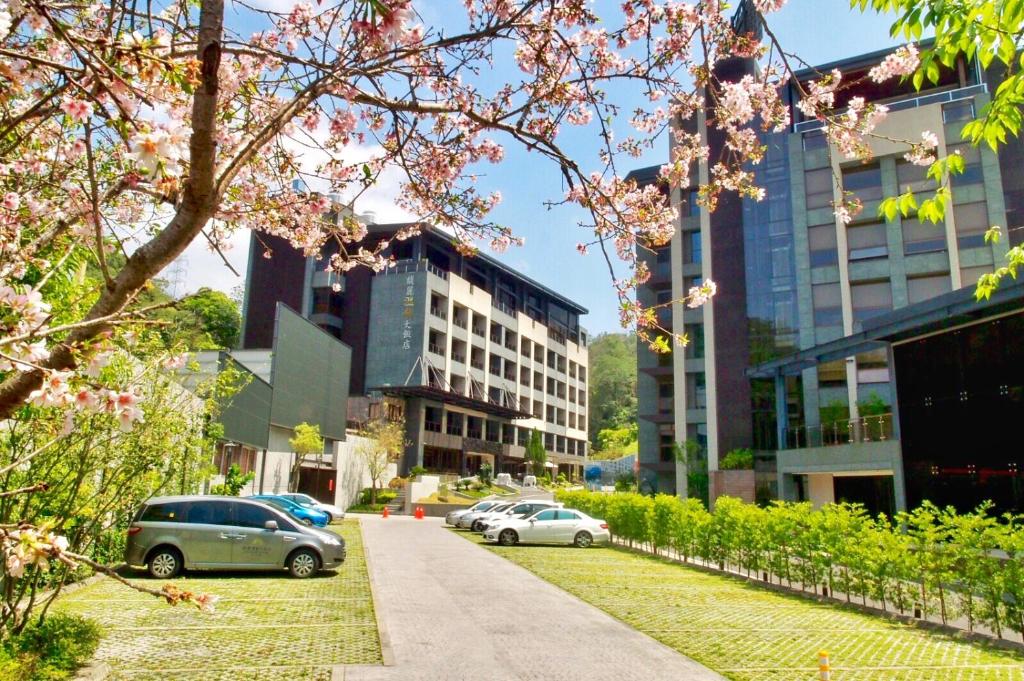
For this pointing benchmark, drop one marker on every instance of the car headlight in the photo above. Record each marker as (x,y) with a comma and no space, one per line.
(331,541)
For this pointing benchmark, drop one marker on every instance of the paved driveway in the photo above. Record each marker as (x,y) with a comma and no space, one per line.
(453,611)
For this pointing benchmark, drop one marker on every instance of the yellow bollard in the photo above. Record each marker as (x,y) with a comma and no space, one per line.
(824,669)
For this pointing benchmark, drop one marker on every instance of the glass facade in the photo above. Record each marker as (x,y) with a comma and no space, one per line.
(774,318)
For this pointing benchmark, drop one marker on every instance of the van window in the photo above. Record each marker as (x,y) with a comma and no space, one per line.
(209,513)
(165,513)
(251,515)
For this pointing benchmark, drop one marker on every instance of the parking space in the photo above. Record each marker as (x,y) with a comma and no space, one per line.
(266,626)
(747,632)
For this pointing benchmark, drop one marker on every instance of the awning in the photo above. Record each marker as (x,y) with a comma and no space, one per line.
(935,314)
(439,395)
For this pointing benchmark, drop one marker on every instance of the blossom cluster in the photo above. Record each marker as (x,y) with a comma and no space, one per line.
(902,62)
(28,546)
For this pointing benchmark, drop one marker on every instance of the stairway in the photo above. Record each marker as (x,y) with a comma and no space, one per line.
(397,505)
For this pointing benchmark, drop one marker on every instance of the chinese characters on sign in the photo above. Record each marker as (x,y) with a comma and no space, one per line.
(407,314)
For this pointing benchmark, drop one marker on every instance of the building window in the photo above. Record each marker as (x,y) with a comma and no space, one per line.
(867,241)
(828,305)
(962,110)
(326,301)
(832,374)
(432,419)
(666,444)
(971,224)
(814,141)
(864,181)
(923,288)
(475,427)
(549,442)
(454,423)
(694,249)
(873,367)
(690,207)
(912,177)
(821,241)
(870,299)
(697,397)
(922,237)
(818,188)
(973,173)
(695,341)
(969,275)
(493,431)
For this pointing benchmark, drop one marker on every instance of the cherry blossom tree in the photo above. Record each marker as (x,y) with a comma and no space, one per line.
(130,130)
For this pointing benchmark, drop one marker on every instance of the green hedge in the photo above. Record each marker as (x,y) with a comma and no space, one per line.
(947,564)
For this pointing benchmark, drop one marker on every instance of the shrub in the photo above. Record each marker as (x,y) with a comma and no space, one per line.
(398,483)
(234,481)
(625,482)
(485,473)
(383,496)
(50,650)
(416,471)
(968,565)
(738,460)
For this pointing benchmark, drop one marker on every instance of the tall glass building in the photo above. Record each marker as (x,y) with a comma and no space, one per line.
(770,365)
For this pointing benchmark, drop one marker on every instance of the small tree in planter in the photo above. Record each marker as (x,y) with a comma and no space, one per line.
(307,440)
(535,453)
(385,439)
(484,474)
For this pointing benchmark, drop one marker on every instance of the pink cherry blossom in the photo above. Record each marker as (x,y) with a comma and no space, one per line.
(77,109)
(903,62)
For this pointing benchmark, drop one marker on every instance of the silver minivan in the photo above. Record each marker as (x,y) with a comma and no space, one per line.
(169,534)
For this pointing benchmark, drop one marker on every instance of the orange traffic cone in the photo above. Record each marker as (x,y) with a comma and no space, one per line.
(385,513)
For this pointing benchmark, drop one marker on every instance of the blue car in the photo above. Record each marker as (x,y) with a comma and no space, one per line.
(304,514)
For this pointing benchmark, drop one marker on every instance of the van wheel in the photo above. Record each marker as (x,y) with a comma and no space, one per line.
(164,563)
(583,540)
(303,563)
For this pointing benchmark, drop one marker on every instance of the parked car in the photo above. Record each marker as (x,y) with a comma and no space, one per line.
(305,515)
(469,520)
(168,534)
(453,516)
(333,512)
(520,510)
(551,526)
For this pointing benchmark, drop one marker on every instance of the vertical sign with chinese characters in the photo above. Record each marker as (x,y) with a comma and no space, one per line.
(407,313)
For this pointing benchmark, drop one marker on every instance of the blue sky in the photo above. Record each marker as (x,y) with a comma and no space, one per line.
(818,31)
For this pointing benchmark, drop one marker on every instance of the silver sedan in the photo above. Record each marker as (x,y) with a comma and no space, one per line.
(453,516)
(551,526)
(472,520)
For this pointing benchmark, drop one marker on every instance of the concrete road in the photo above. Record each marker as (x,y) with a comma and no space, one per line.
(453,611)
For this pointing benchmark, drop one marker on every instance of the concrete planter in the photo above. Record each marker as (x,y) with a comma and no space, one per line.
(736,483)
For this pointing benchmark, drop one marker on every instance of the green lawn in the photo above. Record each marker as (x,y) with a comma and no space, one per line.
(748,632)
(266,626)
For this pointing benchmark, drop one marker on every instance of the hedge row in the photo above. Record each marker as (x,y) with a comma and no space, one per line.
(935,560)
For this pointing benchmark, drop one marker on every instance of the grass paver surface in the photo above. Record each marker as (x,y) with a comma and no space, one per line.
(266,626)
(746,632)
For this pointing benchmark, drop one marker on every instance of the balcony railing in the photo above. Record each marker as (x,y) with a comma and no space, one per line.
(460,322)
(876,428)
(507,309)
(907,103)
(405,266)
(439,312)
(459,357)
(436,349)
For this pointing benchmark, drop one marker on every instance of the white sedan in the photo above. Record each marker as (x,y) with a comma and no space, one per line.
(551,526)
(309,502)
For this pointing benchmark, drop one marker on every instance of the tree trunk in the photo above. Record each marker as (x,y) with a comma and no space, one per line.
(198,203)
